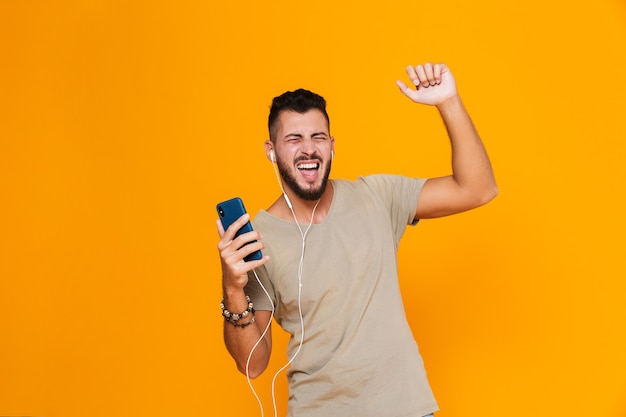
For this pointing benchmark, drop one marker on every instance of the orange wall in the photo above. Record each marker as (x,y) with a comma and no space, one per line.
(123,123)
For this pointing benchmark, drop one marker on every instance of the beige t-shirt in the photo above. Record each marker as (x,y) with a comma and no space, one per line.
(359,357)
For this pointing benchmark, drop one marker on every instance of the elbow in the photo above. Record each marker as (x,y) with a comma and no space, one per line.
(252,372)
(254,375)
(253,367)
(490,193)
(483,197)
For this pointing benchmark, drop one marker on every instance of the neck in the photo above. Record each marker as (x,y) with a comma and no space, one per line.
(304,210)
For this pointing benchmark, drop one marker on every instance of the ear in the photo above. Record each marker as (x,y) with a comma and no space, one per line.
(269,151)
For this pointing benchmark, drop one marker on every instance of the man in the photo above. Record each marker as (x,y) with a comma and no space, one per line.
(330,260)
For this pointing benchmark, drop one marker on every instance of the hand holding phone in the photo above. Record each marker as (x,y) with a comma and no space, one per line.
(231,210)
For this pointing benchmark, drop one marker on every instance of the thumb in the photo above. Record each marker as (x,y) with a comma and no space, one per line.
(402,86)
(406,90)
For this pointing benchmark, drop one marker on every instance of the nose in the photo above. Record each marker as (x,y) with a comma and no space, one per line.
(308,147)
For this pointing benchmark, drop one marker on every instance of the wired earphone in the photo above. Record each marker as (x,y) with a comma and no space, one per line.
(303,234)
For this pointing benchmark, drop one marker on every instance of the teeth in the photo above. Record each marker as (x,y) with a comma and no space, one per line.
(307,166)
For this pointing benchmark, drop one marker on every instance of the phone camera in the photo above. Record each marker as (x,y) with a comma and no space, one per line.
(221,211)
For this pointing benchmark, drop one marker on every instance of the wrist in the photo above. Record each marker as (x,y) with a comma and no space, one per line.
(242,319)
(451,104)
(235,298)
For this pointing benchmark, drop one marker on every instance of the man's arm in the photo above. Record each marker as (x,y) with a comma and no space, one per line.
(472,182)
(240,340)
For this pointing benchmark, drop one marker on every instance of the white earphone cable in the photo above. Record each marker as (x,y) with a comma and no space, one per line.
(303,234)
(267,327)
(300,269)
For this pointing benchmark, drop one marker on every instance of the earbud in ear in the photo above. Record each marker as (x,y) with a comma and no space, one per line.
(272,156)
(332,155)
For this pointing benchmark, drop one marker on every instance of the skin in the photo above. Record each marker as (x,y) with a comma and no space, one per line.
(302,139)
(305,138)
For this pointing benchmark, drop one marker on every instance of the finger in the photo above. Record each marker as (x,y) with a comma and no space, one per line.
(245,238)
(250,265)
(428,70)
(410,71)
(236,261)
(229,237)
(405,89)
(220,227)
(253,246)
(235,251)
(421,75)
(236,225)
(437,69)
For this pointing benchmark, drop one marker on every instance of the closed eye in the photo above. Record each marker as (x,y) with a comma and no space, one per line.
(320,136)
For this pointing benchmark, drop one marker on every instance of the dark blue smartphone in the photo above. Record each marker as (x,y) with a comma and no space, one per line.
(231,210)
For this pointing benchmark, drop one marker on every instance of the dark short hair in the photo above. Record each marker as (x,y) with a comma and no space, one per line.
(300,101)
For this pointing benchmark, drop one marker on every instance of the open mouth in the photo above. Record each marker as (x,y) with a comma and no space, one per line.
(308,169)
(310,166)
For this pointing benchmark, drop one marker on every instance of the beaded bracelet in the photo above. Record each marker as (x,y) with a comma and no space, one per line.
(242,325)
(233,318)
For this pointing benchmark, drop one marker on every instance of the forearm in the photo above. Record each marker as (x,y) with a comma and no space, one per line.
(240,339)
(471,169)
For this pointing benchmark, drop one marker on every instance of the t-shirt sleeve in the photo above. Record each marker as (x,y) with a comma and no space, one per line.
(400,194)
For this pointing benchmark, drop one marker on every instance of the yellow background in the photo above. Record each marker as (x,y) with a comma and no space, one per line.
(122,124)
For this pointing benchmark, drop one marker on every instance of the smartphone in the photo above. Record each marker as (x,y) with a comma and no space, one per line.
(231,210)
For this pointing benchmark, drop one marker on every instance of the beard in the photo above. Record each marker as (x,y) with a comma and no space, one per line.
(310,193)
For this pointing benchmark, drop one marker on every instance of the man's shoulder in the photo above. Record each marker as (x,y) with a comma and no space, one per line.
(368,186)
(372,180)
(367,179)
